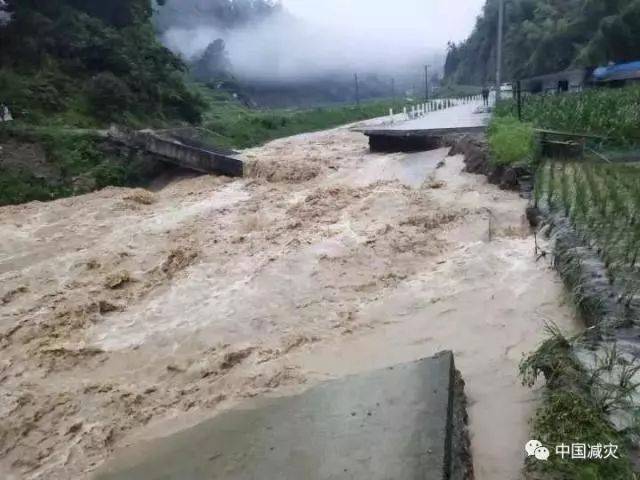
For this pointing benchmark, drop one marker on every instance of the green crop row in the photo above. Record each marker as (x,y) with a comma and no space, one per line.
(602,202)
(611,112)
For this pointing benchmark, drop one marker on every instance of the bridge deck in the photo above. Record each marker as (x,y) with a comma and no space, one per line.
(426,132)
(193,157)
(184,152)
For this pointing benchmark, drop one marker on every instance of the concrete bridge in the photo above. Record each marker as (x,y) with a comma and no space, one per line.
(424,129)
(183,151)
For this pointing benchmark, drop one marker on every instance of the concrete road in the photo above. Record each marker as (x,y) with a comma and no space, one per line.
(460,116)
(389,424)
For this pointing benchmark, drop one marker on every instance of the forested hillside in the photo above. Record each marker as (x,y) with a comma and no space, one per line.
(70,68)
(90,62)
(213,13)
(543,36)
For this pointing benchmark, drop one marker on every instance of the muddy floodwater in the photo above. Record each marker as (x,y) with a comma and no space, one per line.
(128,315)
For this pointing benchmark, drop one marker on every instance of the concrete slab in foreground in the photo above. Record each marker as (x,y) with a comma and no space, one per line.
(399,423)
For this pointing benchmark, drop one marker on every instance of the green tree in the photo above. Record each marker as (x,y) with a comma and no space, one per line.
(109,95)
(543,36)
(78,41)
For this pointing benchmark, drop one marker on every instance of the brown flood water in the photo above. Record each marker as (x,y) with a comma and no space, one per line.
(129,315)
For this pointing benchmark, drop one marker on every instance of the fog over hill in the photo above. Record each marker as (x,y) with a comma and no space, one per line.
(304,40)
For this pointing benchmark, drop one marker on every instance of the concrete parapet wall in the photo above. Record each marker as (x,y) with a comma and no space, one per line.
(191,157)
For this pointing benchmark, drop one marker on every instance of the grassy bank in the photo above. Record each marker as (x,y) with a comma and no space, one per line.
(575,410)
(45,164)
(511,142)
(233,125)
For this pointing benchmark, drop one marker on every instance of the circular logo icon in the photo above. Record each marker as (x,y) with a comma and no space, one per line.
(542,453)
(531,447)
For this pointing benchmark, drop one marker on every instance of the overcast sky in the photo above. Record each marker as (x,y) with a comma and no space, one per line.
(435,22)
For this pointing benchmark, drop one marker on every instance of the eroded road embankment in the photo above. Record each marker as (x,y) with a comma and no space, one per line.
(128,314)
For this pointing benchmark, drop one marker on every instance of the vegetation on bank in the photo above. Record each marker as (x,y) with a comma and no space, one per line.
(592,388)
(597,204)
(602,202)
(511,141)
(232,124)
(90,63)
(613,113)
(575,410)
(68,67)
(63,162)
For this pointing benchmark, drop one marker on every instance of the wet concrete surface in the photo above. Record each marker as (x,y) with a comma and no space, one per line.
(466,115)
(426,132)
(461,116)
(393,423)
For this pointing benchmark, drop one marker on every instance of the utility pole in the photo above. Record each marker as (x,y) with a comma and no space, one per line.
(499,49)
(426,82)
(393,91)
(519,98)
(357,90)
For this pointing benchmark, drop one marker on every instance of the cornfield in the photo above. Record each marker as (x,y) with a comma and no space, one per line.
(612,113)
(602,202)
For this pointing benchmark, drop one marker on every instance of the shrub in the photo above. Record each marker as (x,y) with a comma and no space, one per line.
(109,95)
(511,141)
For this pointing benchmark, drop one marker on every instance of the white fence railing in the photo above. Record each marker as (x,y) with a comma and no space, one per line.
(419,110)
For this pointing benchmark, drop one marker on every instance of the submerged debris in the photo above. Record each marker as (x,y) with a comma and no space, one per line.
(141,196)
(117,279)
